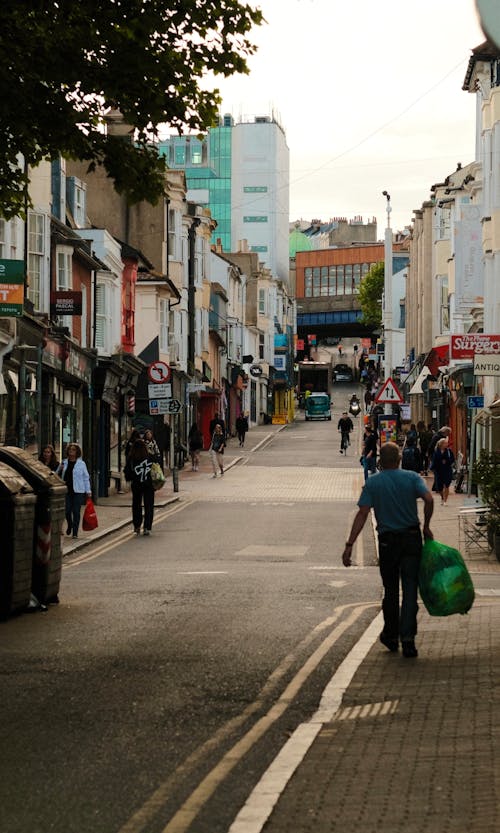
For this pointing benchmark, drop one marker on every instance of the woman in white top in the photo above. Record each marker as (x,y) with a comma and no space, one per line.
(75,474)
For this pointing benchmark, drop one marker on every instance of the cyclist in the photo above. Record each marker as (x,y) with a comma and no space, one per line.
(345,427)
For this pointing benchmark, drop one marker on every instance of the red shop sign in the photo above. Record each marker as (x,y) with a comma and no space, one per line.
(467,345)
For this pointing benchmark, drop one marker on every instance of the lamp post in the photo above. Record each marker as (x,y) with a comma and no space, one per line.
(387,317)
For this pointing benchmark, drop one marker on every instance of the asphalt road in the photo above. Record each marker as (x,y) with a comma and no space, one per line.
(172,672)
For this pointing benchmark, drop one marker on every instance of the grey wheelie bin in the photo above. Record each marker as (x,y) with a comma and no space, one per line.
(17,511)
(50,494)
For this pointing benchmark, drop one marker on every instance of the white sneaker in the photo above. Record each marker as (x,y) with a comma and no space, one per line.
(214,476)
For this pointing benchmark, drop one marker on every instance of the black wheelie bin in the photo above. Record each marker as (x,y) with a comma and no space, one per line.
(17,510)
(50,494)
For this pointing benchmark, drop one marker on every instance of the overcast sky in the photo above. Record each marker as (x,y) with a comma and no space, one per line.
(369,93)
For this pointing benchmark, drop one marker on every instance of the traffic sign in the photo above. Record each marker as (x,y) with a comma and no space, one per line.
(164,406)
(389,393)
(159,391)
(159,372)
(475,402)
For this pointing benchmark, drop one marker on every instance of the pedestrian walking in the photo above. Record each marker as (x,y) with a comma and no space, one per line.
(75,474)
(393,495)
(442,466)
(411,459)
(445,431)
(369,453)
(138,472)
(195,444)
(242,428)
(153,449)
(134,435)
(217,420)
(217,447)
(355,350)
(49,458)
(367,399)
(424,440)
(340,348)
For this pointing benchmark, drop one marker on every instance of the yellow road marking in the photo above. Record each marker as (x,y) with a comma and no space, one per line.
(191,807)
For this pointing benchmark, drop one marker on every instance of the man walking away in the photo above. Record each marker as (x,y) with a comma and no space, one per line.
(393,495)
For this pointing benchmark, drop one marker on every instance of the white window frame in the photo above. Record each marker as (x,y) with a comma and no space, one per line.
(163,318)
(36,256)
(262,302)
(64,278)
(3,236)
(103,308)
(173,234)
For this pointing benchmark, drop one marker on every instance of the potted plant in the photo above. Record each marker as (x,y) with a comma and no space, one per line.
(486,474)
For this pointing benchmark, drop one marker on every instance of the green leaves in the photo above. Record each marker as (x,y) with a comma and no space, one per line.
(65,63)
(371,290)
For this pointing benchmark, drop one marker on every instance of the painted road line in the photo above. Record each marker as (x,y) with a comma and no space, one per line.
(125,536)
(154,804)
(259,806)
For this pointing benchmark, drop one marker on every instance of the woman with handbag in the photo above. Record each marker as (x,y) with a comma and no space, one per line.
(138,471)
(75,474)
(217,447)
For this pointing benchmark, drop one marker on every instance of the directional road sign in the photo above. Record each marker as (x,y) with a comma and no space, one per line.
(164,406)
(389,393)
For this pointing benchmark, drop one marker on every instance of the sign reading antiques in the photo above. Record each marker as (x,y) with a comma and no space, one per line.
(11,287)
(488,365)
(467,345)
(65,303)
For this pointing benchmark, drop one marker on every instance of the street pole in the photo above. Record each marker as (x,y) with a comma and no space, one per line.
(387,318)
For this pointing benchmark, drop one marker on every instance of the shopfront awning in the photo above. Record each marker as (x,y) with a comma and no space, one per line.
(417,385)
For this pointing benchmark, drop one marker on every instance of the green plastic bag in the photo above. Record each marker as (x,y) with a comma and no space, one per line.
(444,581)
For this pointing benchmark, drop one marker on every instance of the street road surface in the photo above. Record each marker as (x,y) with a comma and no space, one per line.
(154,696)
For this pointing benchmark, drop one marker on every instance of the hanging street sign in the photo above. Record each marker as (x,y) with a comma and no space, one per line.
(164,406)
(389,393)
(11,288)
(487,365)
(159,372)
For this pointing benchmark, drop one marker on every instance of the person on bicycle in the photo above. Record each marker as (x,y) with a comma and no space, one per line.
(345,427)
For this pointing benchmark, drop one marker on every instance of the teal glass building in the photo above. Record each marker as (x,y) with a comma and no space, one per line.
(207,165)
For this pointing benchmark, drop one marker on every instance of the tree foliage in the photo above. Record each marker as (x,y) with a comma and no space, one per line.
(371,290)
(65,63)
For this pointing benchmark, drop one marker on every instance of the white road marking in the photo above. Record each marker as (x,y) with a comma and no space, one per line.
(204,573)
(486,591)
(337,583)
(281,551)
(261,802)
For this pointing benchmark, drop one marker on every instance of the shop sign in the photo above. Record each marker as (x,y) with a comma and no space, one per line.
(488,365)
(79,365)
(11,288)
(65,303)
(467,345)
(279,362)
(52,354)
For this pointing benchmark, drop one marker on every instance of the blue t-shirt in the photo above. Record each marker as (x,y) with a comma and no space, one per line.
(392,494)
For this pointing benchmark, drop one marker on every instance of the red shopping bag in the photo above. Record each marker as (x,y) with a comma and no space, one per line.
(89,521)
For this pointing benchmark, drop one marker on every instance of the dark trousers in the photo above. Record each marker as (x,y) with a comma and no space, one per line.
(74,505)
(143,492)
(399,559)
(241,437)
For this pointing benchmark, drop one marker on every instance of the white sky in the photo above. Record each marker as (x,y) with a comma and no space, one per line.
(369,93)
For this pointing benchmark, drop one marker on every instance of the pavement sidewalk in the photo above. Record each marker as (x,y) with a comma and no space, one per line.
(115,512)
(411,746)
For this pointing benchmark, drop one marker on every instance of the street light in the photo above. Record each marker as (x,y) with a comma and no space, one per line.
(387,318)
